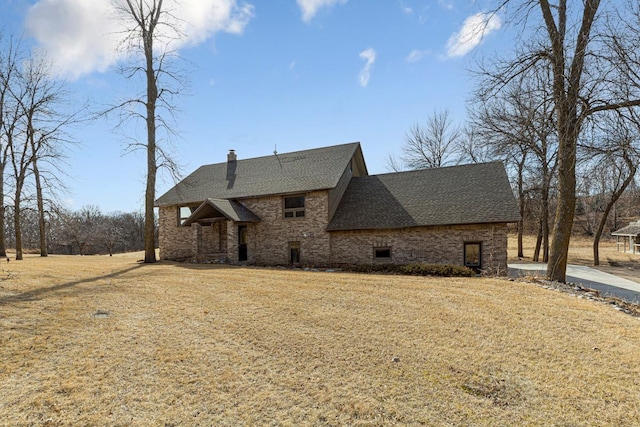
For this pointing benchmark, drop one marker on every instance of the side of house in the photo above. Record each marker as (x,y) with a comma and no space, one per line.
(320,207)
(279,207)
(475,246)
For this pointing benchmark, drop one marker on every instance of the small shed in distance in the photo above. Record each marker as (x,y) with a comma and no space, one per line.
(630,238)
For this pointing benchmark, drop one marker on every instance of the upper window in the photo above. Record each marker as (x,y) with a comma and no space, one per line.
(294,207)
(184,212)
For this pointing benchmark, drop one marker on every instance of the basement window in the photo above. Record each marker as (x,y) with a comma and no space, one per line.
(294,252)
(382,254)
(294,207)
(473,255)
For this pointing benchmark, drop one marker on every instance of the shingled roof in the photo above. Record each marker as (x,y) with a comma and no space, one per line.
(218,208)
(468,194)
(633,229)
(287,173)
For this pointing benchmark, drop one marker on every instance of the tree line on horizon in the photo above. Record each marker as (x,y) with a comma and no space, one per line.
(86,231)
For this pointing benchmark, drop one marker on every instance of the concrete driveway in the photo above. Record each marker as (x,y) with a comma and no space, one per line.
(607,284)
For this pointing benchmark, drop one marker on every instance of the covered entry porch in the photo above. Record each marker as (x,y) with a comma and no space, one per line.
(221,230)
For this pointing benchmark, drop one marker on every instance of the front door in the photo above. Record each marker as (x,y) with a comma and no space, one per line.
(242,243)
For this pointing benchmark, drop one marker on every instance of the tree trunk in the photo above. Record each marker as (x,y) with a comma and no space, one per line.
(545,222)
(149,217)
(16,226)
(559,248)
(598,234)
(610,205)
(536,251)
(520,233)
(3,237)
(566,96)
(521,204)
(152,166)
(42,225)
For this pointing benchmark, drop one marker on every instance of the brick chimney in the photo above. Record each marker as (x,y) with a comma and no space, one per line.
(231,157)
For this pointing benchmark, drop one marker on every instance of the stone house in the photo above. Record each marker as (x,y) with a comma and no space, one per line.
(320,207)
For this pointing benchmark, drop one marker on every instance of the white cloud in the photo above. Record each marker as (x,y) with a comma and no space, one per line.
(310,7)
(416,55)
(83,36)
(407,10)
(369,55)
(446,4)
(473,30)
(203,18)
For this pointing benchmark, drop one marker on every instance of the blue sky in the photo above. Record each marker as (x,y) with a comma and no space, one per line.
(265,74)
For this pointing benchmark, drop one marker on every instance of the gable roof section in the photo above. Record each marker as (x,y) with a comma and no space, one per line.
(633,229)
(287,173)
(218,208)
(468,194)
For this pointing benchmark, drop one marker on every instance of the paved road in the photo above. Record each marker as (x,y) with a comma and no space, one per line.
(606,283)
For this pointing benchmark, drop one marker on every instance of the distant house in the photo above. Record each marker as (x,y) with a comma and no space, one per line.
(320,207)
(630,238)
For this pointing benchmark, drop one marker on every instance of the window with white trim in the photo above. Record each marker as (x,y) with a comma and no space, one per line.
(184,212)
(294,207)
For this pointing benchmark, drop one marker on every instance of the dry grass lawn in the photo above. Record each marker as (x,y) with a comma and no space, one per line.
(108,341)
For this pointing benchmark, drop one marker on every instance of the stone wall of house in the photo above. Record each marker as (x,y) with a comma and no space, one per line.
(433,245)
(232,242)
(213,238)
(175,242)
(178,242)
(269,240)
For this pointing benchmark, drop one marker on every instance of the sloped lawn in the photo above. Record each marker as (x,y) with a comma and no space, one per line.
(108,341)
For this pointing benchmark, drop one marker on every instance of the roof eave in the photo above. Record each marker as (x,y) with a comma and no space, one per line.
(241,197)
(329,228)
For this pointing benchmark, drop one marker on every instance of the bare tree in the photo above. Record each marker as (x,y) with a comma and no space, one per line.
(132,226)
(150,30)
(613,157)
(82,227)
(434,145)
(9,58)
(46,150)
(473,146)
(38,119)
(588,76)
(110,232)
(393,164)
(516,125)
(19,157)
(88,230)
